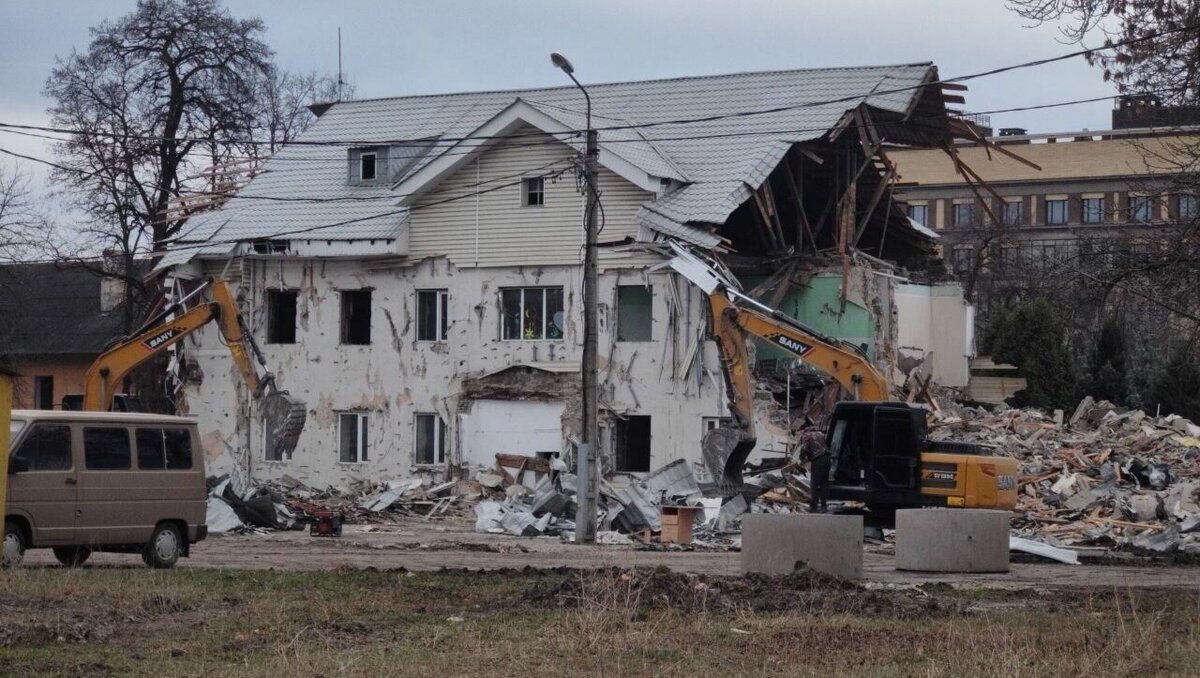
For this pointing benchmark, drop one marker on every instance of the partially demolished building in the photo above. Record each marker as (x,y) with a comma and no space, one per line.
(412,266)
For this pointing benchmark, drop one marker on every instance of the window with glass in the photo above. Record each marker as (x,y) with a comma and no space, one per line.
(432,315)
(1056,211)
(1093,210)
(106,449)
(1139,208)
(965,214)
(352,437)
(635,312)
(431,440)
(963,259)
(534,191)
(1012,212)
(919,214)
(47,447)
(1185,207)
(164,449)
(531,313)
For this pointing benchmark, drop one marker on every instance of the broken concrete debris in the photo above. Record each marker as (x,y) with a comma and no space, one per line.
(1107,477)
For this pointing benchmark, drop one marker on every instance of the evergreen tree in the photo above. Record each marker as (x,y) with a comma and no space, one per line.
(1030,336)
(1109,375)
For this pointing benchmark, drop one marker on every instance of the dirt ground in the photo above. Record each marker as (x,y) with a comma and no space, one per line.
(428,546)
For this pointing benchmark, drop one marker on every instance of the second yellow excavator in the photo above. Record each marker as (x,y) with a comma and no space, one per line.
(283,415)
(880,454)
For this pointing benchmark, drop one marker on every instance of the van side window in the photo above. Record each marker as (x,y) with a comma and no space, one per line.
(46,448)
(106,449)
(164,449)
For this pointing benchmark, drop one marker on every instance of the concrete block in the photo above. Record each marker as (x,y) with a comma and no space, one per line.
(952,540)
(773,544)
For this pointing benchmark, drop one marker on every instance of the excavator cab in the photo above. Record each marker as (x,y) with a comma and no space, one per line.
(876,453)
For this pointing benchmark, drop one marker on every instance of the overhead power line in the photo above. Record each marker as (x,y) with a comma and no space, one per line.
(633,126)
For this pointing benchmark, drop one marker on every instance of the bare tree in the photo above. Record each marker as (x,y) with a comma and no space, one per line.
(149,88)
(22,227)
(283,99)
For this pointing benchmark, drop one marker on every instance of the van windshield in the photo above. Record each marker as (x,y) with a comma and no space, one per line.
(13,429)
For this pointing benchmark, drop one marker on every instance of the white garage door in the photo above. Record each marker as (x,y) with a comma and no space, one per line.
(511,427)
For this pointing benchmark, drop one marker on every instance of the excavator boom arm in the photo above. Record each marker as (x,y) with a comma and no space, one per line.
(105,375)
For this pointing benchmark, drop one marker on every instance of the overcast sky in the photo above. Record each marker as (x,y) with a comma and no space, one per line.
(396,48)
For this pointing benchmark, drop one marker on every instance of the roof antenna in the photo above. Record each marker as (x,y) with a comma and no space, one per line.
(340,81)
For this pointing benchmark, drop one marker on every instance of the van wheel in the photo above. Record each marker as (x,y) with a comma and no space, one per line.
(72,556)
(164,548)
(14,544)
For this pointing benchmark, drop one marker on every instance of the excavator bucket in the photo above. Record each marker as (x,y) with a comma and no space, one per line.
(725,451)
(283,418)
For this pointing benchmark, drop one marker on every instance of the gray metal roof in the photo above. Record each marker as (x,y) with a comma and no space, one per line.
(715,162)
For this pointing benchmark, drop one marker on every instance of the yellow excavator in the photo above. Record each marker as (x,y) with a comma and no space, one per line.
(283,415)
(880,454)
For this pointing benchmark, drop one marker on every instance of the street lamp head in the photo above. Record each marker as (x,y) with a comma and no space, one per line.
(560,62)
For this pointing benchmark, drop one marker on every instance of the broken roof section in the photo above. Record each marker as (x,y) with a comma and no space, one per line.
(704,144)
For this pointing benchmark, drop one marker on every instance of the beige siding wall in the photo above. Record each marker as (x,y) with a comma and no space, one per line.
(494,229)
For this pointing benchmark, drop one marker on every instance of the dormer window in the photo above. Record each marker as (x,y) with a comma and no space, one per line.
(366,166)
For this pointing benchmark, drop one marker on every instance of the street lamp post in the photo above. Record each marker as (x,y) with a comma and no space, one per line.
(587,458)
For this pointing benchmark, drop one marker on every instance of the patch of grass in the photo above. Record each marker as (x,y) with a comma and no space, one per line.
(194,622)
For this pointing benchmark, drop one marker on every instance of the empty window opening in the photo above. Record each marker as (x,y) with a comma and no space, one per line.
(1056,211)
(710,423)
(43,393)
(164,449)
(1012,212)
(366,166)
(635,314)
(1139,208)
(633,444)
(106,449)
(919,214)
(1093,210)
(431,440)
(531,313)
(281,316)
(432,315)
(533,191)
(270,246)
(352,437)
(356,317)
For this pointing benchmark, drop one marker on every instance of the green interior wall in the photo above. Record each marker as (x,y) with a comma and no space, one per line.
(818,305)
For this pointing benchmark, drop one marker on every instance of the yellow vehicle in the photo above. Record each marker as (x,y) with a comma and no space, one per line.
(880,453)
(283,415)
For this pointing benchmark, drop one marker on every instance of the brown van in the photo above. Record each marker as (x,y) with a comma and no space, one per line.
(80,482)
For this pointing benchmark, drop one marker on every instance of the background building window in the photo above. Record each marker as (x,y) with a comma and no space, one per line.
(1185,207)
(356,317)
(919,214)
(963,259)
(352,437)
(965,214)
(1139,208)
(281,316)
(1056,211)
(633,444)
(1012,212)
(431,440)
(43,393)
(531,313)
(635,313)
(534,191)
(432,311)
(1093,210)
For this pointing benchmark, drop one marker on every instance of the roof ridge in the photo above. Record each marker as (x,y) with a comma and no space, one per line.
(681,78)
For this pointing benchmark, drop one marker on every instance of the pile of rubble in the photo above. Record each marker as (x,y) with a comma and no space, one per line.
(629,510)
(290,504)
(1105,476)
